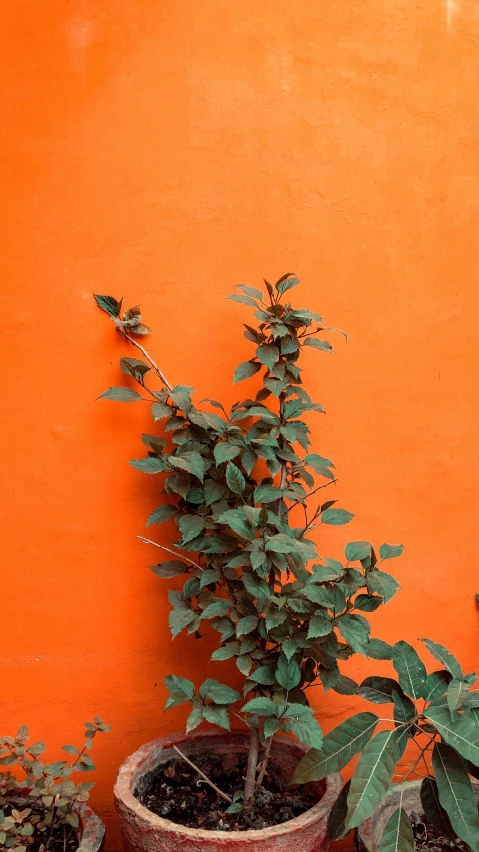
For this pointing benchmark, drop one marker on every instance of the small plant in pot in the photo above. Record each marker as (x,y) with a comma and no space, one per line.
(436,718)
(244,493)
(46,810)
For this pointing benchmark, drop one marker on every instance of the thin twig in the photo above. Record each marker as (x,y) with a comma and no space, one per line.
(162,547)
(264,763)
(204,777)
(145,353)
(310,494)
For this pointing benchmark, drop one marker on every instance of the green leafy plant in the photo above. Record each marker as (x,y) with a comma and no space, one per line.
(33,810)
(239,488)
(438,714)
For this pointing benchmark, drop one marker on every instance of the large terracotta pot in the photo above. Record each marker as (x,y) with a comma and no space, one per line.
(368,836)
(90,832)
(143,831)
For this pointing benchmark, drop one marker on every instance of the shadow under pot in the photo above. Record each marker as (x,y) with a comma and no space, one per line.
(144,831)
(367,836)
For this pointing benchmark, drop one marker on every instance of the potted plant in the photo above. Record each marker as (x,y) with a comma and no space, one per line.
(437,715)
(238,488)
(47,811)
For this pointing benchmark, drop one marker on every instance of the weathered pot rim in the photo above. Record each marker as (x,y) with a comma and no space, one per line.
(123,792)
(91,826)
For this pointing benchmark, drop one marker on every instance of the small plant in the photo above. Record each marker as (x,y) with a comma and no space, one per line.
(438,714)
(44,807)
(239,486)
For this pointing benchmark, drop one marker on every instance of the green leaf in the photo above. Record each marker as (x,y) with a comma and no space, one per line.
(318,595)
(314,343)
(217,692)
(383,584)
(404,712)
(225,452)
(456,693)
(433,810)
(246,370)
(194,719)
(180,689)
(411,670)
(319,625)
(320,465)
(71,749)
(121,394)
(442,654)
(379,650)
(246,625)
(134,367)
(398,834)
(460,733)
(456,793)
(336,517)
(267,493)
(268,354)
(372,777)
(436,687)
(162,514)
(209,575)
(263,675)
(171,568)
(160,410)
(287,282)
(378,689)
(191,462)
(390,551)
(355,632)
(251,291)
(282,544)
(217,716)
(236,519)
(218,608)
(339,746)
(288,673)
(108,304)
(190,527)
(357,550)
(260,706)
(337,817)
(368,603)
(148,465)
(307,730)
(243,300)
(235,479)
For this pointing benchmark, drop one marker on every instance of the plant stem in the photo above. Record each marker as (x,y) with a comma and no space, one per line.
(204,777)
(162,546)
(145,353)
(264,763)
(251,768)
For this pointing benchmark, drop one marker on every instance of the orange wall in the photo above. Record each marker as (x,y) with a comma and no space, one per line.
(166,150)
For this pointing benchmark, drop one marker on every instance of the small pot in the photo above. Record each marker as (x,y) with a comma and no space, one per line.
(144,831)
(368,836)
(90,832)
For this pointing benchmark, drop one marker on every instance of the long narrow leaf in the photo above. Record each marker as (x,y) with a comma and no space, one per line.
(398,834)
(372,777)
(460,733)
(339,746)
(456,794)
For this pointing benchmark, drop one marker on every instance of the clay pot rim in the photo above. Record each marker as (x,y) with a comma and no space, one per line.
(123,792)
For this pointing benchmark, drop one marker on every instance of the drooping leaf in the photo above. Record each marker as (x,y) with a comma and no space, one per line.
(148,465)
(383,584)
(456,793)
(260,706)
(398,834)
(337,817)
(217,716)
(180,688)
(456,693)
(442,654)
(121,394)
(461,733)
(433,809)
(246,370)
(336,517)
(268,354)
(219,693)
(306,729)
(379,650)
(320,465)
(372,777)
(288,673)
(411,670)
(194,719)
(243,300)
(315,343)
(354,631)
(162,514)
(225,452)
(339,746)
(436,687)
(404,712)
(190,527)
(357,550)
(378,689)
(171,568)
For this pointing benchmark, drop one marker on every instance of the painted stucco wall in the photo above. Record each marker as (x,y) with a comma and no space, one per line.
(166,150)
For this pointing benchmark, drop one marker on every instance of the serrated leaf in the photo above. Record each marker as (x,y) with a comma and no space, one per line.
(219,693)
(268,354)
(260,706)
(263,675)
(319,625)
(315,343)
(191,462)
(225,452)
(108,304)
(339,746)
(336,517)
(372,777)
(148,465)
(320,465)
(162,514)
(398,834)
(357,550)
(217,716)
(383,584)
(288,673)
(267,493)
(456,793)
(181,690)
(390,551)
(190,527)
(246,625)
(368,603)
(121,394)
(307,730)
(411,670)
(286,282)
(442,654)
(246,370)
(379,650)
(235,479)
(251,291)
(243,300)
(354,632)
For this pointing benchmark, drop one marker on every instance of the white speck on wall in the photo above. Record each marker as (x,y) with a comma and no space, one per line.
(79,37)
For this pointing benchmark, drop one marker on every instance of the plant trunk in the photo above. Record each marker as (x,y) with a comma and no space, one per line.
(264,763)
(251,768)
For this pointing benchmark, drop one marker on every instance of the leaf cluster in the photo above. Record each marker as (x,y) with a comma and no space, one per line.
(48,796)
(438,713)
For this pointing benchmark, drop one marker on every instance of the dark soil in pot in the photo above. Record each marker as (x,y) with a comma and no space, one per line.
(428,839)
(63,837)
(175,791)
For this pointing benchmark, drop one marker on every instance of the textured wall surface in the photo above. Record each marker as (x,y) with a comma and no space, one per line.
(166,150)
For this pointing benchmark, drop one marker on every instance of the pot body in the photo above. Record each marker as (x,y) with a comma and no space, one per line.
(90,832)
(368,836)
(143,831)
